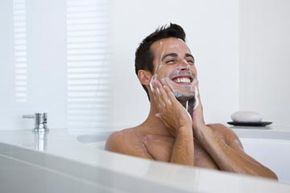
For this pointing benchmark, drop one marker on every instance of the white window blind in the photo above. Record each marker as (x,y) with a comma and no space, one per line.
(88,70)
(20,59)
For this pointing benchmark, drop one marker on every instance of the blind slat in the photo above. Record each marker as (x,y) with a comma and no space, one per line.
(20,56)
(88,74)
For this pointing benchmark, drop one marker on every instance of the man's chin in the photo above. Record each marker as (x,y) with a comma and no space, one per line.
(186,89)
(183,91)
(181,97)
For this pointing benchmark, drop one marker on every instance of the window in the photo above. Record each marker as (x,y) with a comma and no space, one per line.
(20,59)
(88,69)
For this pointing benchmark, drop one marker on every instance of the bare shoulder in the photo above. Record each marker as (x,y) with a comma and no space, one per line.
(221,130)
(113,140)
(227,134)
(127,141)
(117,140)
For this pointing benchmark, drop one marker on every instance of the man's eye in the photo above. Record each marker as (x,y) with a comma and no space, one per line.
(170,61)
(190,61)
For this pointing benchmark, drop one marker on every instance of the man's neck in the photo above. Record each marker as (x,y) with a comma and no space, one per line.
(153,125)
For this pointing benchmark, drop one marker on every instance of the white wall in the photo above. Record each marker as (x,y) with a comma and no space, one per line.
(6,60)
(265,59)
(241,48)
(67,82)
(46,48)
(46,65)
(212,34)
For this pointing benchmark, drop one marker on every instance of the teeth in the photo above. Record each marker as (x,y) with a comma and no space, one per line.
(182,80)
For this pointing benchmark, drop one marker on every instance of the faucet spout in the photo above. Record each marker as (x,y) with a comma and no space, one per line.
(40,121)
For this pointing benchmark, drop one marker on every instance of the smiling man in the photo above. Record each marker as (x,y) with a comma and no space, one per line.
(174,130)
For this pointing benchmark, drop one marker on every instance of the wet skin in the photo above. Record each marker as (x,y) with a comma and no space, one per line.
(170,133)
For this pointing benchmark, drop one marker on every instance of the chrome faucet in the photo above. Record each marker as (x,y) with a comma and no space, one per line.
(40,121)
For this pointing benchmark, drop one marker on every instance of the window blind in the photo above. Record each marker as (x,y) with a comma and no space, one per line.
(88,69)
(20,55)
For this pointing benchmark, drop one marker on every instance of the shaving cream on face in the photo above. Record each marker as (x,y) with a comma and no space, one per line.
(181,80)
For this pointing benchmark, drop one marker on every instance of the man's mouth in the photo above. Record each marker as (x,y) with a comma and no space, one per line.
(182,80)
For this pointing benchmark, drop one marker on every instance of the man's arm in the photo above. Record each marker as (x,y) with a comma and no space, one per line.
(178,123)
(183,148)
(228,153)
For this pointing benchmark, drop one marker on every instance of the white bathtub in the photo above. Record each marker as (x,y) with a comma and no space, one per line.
(59,162)
(271,148)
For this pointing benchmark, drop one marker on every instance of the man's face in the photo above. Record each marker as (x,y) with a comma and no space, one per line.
(174,66)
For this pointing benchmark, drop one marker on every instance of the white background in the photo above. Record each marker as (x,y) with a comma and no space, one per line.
(46,64)
(265,59)
(241,49)
(212,35)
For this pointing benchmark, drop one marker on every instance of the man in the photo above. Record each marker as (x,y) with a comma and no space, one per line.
(174,130)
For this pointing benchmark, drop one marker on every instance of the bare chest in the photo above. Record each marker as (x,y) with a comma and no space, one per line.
(160,148)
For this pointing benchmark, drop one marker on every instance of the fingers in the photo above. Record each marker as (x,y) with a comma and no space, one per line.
(168,89)
(168,109)
(169,95)
(162,94)
(156,92)
(196,97)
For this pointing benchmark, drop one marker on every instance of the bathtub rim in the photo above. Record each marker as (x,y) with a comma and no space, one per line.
(82,155)
(240,132)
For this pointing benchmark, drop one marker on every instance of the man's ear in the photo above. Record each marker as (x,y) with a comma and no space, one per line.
(144,77)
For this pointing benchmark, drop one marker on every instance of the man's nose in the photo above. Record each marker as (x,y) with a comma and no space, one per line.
(184,65)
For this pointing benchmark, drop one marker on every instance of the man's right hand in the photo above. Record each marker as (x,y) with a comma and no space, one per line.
(170,111)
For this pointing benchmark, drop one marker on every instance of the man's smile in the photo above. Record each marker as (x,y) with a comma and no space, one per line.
(182,80)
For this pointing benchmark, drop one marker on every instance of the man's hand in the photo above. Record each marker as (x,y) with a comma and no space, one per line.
(170,111)
(178,122)
(196,111)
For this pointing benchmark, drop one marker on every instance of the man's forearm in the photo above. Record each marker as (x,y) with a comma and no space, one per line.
(227,158)
(183,149)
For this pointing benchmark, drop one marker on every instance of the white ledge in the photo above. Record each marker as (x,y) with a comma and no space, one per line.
(64,163)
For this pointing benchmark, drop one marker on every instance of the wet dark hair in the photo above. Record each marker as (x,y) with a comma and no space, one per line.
(143,55)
